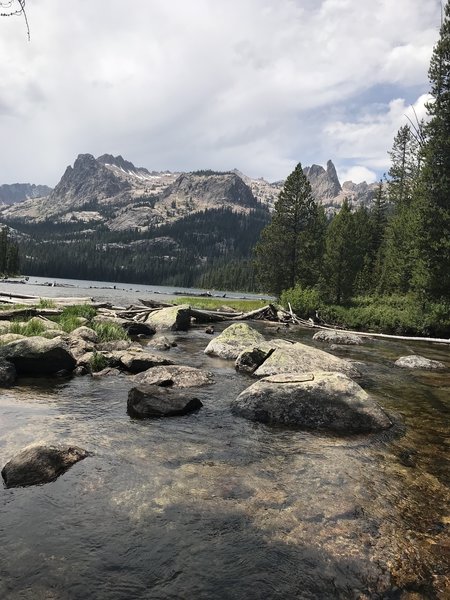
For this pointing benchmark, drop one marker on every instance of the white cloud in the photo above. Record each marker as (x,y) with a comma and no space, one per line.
(357,174)
(228,83)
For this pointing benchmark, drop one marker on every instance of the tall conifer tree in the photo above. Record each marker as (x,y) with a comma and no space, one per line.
(432,272)
(290,247)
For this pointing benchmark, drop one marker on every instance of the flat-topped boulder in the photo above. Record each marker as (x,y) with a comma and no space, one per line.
(152,401)
(39,464)
(312,401)
(177,376)
(38,356)
(233,340)
(300,358)
(136,361)
(338,337)
(172,318)
(415,361)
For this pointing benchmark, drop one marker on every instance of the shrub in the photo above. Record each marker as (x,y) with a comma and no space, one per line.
(304,301)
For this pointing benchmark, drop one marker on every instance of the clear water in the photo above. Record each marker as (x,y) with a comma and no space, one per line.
(212,506)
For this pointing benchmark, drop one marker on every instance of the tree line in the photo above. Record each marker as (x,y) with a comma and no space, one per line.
(401,246)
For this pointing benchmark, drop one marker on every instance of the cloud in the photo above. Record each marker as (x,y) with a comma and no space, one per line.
(357,174)
(369,136)
(254,84)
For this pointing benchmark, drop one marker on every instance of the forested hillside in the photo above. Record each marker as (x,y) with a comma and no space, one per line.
(209,248)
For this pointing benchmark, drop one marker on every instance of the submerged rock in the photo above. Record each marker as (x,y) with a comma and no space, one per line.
(152,401)
(414,361)
(300,358)
(38,356)
(233,340)
(338,337)
(174,318)
(40,464)
(315,401)
(174,376)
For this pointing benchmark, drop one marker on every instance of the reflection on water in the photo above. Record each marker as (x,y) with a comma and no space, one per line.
(213,506)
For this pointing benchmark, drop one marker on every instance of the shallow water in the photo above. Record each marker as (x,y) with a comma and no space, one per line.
(212,506)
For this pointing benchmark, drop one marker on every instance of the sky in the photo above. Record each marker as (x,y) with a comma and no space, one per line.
(257,85)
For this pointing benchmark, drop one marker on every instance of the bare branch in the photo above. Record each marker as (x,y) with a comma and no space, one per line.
(9,10)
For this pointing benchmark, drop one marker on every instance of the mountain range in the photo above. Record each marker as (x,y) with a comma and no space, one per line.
(112,191)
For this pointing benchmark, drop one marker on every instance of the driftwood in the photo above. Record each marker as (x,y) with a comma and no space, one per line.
(155,303)
(387,336)
(7,315)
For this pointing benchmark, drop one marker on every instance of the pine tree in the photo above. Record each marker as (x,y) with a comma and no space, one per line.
(341,261)
(432,272)
(405,164)
(290,247)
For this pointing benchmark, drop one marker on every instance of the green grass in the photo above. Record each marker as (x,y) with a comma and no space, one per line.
(215,303)
(28,329)
(79,310)
(109,332)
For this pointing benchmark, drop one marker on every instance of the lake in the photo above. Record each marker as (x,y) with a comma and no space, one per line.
(211,506)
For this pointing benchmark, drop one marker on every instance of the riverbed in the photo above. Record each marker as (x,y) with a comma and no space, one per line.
(211,506)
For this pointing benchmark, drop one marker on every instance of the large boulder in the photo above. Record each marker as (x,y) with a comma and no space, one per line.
(313,401)
(40,464)
(300,358)
(173,318)
(6,338)
(151,401)
(337,337)
(38,356)
(233,340)
(84,333)
(7,373)
(415,361)
(174,376)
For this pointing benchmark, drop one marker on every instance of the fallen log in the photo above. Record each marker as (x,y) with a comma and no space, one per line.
(155,303)
(267,312)
(209,316)
(7,315)
(388,336)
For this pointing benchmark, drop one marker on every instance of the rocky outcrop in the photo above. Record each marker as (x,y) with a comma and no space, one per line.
(324,183)
(415,361)
(338,337)
(40,464)
(312,401)
(38,356)
(151,401)
(233,340)
(173,318)
(300,358)
(177,376)
(7,373)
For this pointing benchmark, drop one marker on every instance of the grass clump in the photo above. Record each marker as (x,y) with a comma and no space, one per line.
(28,329)
(70,317)
(215,303)
(97,362)
(109,332)
(46,303)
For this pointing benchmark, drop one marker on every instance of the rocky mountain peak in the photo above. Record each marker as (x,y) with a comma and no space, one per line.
(87,181)
(324,183)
